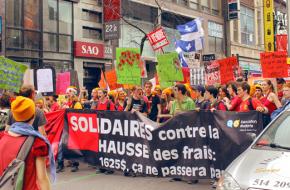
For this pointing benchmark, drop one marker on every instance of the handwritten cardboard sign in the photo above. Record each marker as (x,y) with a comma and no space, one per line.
(274,64)
(228,67)
(11,74)
(212,73)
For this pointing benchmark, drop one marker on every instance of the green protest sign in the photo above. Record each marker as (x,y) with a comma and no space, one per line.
(11,74)
(169,69)
(128,66)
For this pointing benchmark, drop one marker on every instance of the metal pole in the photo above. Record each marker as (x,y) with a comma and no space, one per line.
(288,25)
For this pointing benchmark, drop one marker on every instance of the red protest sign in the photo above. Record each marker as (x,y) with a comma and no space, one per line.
(157,39)
(212,73)
(83,132)
(274,64)
(228,67)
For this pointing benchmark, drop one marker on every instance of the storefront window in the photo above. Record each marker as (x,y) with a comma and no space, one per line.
(31,14)
(247,26)
(65,17)
(14,13)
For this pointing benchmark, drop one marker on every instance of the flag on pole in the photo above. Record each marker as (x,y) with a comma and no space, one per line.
(192,39)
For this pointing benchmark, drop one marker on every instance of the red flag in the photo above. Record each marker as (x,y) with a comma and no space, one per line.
(54,128)
(281,42)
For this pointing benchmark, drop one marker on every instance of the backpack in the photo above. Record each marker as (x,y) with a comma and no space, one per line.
(13,176)
(4,116)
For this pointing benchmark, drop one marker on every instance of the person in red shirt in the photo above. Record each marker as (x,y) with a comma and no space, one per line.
(104,103)
(259,93)
(271,99)
(52,100)
(234,103)
(280,83)
(35,174)
(120,100)
(210,95)
(248,103)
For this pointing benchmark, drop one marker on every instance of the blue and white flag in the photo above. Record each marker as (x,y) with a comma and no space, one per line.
(192,40)
(192,36)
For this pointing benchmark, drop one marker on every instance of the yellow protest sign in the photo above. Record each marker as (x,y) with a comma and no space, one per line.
(269,25)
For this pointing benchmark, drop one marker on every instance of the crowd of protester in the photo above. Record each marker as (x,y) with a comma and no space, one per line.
(155,103)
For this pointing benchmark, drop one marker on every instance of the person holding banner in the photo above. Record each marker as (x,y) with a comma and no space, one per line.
(200,102)
(120,100)
(259,93)
(211,94)
(234,103)
(72,98)
(182,102)
(271,99)
(286,97)
(154,107)
(249,103)
(136,102)
(94,99)
(73,103)
(103,103)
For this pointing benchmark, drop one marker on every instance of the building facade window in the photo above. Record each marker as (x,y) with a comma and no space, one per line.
(236,30)
(215,37)
(39,30)
(247,26)
(205,6)
(193,4)
(91,16)
(94,33)
(215,7)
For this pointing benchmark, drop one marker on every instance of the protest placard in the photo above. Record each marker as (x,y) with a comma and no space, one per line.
(274,64)
(228,67)
(45,80)
(62,82)
(158,39)
(11,74)
(212,73)
(128,66)
(168,68)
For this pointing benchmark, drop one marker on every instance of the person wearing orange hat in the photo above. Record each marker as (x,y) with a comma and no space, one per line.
(35,174)
(28,91)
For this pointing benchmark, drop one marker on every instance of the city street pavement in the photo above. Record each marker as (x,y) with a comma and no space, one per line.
(86,179)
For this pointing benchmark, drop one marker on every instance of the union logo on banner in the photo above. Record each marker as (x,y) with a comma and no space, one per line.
(158,39)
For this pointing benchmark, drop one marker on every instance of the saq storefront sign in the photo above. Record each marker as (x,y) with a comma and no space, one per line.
(92,50)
